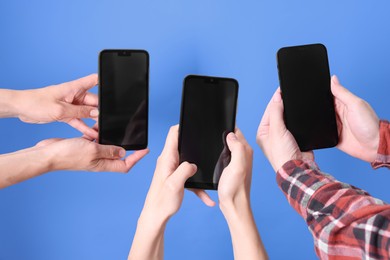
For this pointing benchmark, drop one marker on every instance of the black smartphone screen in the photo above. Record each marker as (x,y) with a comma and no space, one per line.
(208,112)
(123,98)
(308,101)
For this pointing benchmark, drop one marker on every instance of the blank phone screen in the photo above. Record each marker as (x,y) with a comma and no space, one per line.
(207,116)
(123,96)
(308,102)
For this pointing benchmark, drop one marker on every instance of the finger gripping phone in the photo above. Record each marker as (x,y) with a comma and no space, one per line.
(208,112)
(123,98)
(309,112)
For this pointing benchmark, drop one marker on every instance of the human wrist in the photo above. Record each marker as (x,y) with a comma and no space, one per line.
(52,160)
(152,222)
(237,215)
(48,159)
(235,206)
(10,103)
(41,160)
(23,101)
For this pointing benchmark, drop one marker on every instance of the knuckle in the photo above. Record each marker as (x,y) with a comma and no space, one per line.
(185,165)
(95,166)
(240,146)
(160,159)
(111,152)
(358,102)
(95,150)
(171,185)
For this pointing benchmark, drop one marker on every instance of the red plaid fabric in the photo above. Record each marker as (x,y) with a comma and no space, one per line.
(345,221)
(383,156)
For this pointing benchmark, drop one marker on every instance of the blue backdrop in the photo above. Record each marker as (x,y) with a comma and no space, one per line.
(79,215)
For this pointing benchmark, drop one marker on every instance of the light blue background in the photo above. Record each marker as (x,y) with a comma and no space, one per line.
(79,215)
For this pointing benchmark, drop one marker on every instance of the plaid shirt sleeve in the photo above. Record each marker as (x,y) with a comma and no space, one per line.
(383,156)
(346,222)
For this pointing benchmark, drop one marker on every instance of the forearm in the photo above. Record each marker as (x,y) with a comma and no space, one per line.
(148,242)
(25,164)
(9,103)
(246,239)
(341,217)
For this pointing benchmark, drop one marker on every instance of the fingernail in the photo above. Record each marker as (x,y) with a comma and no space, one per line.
(94,113)
(122,153)
(336,80)
(232,136)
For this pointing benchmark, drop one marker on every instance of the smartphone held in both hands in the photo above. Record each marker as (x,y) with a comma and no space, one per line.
(309,111)
(124,98)
(208,112)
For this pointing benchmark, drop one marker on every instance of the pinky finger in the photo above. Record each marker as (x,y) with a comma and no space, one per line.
(203,196)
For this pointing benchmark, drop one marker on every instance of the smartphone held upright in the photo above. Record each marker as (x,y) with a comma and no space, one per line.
(309,111)
(208,112)
(124,98)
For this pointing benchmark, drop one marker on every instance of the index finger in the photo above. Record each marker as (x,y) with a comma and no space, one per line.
(171,143)
(265,120)
(341,93)
(85,83)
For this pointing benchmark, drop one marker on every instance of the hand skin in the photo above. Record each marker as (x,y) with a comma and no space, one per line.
(277,143)
(67,102)
(357,123)
(234,200)
(64,154)
(164,199)
(166,194)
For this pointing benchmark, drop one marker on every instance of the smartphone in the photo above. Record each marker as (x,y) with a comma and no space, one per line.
(208,112)
(123,98)
(309,111)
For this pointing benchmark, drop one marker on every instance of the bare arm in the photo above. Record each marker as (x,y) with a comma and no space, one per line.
(8,103)
(246,239)
(23,165)
(234,197)
(164,199)
(148,241)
